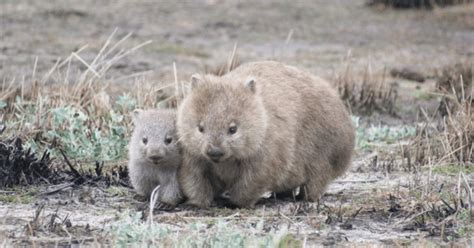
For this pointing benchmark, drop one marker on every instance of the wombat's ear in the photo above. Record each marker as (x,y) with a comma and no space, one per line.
(196,79)
(251,84)
(136,114)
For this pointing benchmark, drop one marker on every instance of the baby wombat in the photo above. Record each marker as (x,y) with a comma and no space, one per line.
(263,127)
(155,156)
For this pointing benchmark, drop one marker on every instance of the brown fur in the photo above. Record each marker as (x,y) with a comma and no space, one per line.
(292,130)
(145,174)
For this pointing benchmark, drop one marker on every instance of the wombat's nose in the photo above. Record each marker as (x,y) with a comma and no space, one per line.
(214,153)
(155,158)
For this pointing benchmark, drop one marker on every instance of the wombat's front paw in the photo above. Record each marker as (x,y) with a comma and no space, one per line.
(188,206)
(165,206)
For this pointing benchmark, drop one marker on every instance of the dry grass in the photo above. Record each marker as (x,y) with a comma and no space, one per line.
(458,140)
(74,96)
(367,94)
(449,139)
(456,85)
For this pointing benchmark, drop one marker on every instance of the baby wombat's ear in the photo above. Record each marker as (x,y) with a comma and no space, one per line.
(251,84)
(196,79)
(136,115)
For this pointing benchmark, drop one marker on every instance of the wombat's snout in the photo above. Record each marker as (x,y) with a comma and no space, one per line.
(214,153)
(155,155)
(155,158)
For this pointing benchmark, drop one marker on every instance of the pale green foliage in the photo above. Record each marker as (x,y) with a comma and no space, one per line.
(82,141)
(380,134)
(389,134)
(83,134)
(131,231)
(125,103)
(464,225)
(2,104)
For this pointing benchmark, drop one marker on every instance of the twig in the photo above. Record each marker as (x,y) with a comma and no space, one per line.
(286,217)
(76,173)
(352,217)
(413,217)
(61,187)
(89,67)
(175,74)
(153,199)
(230,63)
(468,189)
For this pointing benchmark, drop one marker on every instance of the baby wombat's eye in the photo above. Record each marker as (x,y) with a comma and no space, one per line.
(201,128)
(168,140)
(232,128)
(145,140)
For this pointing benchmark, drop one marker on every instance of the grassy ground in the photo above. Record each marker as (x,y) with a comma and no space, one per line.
(411,179)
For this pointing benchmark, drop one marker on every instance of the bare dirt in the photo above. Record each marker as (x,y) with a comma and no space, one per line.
(196,33)
(375,203)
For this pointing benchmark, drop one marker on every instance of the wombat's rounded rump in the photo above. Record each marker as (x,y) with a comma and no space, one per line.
(263,127)
(155,155)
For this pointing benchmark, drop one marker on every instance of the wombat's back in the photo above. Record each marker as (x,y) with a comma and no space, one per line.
(311,109)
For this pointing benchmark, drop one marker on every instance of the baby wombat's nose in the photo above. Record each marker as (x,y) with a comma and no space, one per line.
(155,158)
(215,153)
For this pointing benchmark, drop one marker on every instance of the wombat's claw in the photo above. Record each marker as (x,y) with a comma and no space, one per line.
(164,206)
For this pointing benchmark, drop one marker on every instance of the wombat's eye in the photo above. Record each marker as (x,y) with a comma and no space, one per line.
(232,129)
(168,140)
(201,128)
(144,140)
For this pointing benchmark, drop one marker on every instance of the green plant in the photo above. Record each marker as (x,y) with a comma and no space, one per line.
(81,141)
(125,103)
(3,104)
(82,133)
(464,226)
(381,134)
(131,231)
(389,134)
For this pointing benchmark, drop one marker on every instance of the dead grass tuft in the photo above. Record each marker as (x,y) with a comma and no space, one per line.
(448,139)
(458,140)
(368,94)
(456,85)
